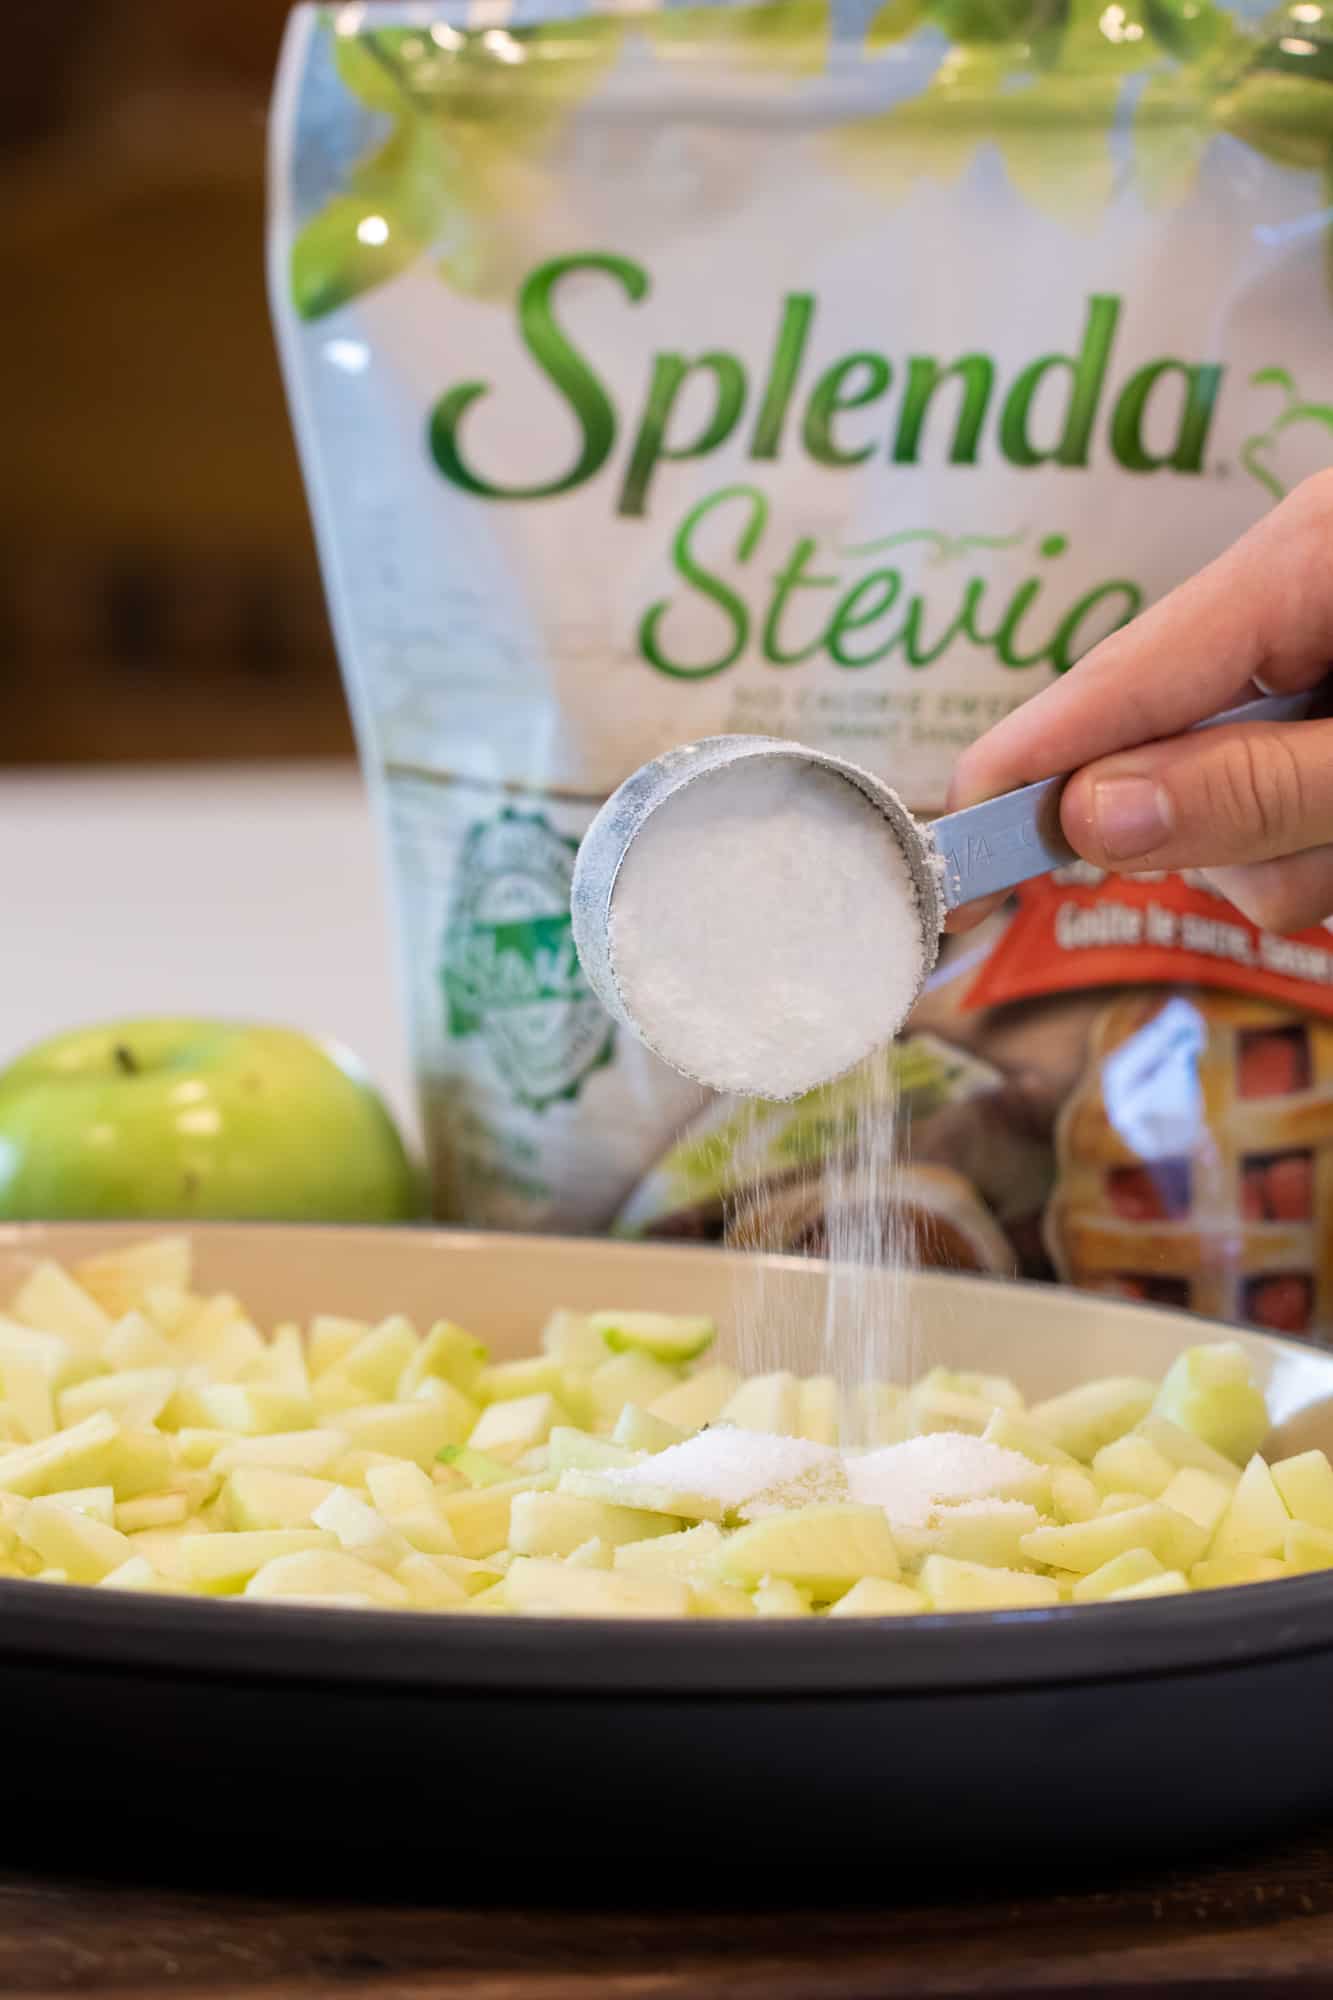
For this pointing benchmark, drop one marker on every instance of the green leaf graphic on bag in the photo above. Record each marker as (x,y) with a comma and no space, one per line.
(1282,104)
(1044,90)
(789,37)
(462,174)
(1258,454)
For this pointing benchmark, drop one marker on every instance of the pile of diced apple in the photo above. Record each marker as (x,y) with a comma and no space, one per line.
(153,1438)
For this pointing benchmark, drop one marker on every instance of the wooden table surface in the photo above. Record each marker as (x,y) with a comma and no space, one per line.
(1264,1926)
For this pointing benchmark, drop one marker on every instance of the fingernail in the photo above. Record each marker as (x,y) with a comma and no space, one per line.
(1133,816)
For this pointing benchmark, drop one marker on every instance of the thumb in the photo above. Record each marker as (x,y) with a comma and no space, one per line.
(1223,798)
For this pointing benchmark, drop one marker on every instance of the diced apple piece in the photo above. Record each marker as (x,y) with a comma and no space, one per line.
(1256,1521)
(572,1340)
(778,1597)
(997,1390)
(152,1510)
(361,1529)
(504,1430)
(137,1573)
(477,1468)
(1085,1546)
(1183,1448)
(510,1381)
(1016,1432)
(985,1531)
(222,1564)
(251,1408)
(402,1488)
(719,1600)
(76,1457)
(1198,1494)
(931,1407)
(1119,1503)
(672,1337)
(378,1359)
(962,1586)
(679,1552)
(118,1279)
(136,1396)
(51,1300)
(823,1549)
(546,1588)
(61,1360)
(1074,1494)
(818,1415)
(768,1403)
(1209,1391)
(1306,1485)
(877,1597)
(161,1548)
(134,1342)
(198,1485)
(447,1354)
(97,1502)
(257,1496)
(288,1451)
(219,1338)
(198,1448)
(473,1576)
(697,1401)
(1132,1464)
(137,1462)
(1224,1572)
(84,1548)
(592,1554)
(479,1518)
(1094,1414)
(428,1587)
(332,1394)
(554,1524)
(638,1431)
(1134,1566)
(322,1573)
(169,1307)
(626,1378)
(418,1431)
(27,1389)
(1170,1583)
(329,1337)
(624,1487)
(1307,1548)
(283,1363)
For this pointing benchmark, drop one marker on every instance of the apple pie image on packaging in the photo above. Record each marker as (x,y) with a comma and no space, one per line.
(1195,1160)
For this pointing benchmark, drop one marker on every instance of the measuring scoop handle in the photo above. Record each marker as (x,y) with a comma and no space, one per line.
(1008,840)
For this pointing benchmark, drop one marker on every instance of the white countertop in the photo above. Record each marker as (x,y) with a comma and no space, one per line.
(225,891)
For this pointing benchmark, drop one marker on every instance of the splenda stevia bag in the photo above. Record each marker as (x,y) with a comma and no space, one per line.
(841,373)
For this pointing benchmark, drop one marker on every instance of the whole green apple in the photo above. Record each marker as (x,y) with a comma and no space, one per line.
(199,1119)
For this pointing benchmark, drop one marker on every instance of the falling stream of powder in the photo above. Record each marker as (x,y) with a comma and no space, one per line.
(850,1172)
(866,1326)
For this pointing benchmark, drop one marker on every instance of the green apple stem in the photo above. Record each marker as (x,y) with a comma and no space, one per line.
(124,1060)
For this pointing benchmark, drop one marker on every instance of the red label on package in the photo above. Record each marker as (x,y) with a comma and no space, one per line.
(1079,928)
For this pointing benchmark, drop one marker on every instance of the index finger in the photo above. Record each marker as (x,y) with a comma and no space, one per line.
(1262,611)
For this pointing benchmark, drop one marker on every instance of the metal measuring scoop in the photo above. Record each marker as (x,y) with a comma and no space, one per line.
(956,859)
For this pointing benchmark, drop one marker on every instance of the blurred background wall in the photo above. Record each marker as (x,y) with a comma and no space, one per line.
(159,598)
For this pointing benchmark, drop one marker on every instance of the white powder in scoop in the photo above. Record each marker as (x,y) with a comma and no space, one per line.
(910,1480)
(765,931)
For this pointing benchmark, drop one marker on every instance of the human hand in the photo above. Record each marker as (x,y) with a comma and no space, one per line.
(1249,805)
